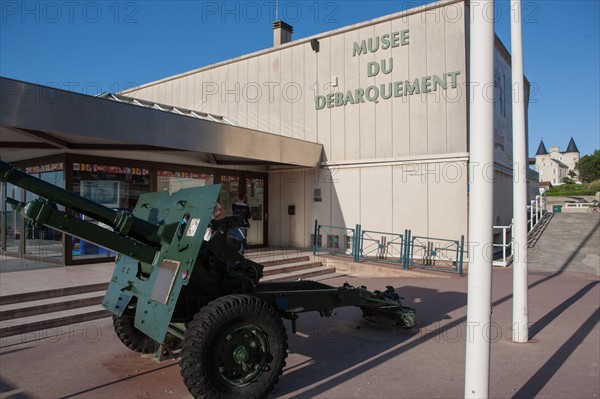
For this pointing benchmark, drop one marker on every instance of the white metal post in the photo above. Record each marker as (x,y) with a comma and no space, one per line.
(504,245)
(538,208)
(520,329)
(481,196)
(531,205)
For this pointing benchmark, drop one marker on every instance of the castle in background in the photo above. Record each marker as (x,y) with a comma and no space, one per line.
(554,166)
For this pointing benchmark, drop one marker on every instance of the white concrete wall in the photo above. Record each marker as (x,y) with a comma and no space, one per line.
(393,165)
(428,198)
(274,90)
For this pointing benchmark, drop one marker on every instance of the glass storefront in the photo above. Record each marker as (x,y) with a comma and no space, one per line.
(230,191)
(41,242)
(117,184)
(116,187)
(255,197)
(253,190)
(173,181)
(11,221)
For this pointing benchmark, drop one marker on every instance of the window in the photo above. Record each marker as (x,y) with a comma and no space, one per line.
(43,242)
(116,187)
(173,181)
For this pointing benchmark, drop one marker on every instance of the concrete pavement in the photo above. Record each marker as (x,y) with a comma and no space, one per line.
(345,356)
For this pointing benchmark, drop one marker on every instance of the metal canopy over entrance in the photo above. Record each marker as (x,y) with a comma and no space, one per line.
(39,120)
(83,143)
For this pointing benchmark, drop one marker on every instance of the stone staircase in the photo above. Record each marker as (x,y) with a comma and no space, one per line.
(26,313)
(36,315)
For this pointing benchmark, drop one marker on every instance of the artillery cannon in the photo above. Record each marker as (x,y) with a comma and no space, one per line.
(176,294)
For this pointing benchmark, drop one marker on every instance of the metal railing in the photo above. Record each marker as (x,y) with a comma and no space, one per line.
(338,240)
(536,211)
(506,245)
(378,246)
(437,254)
(397,249)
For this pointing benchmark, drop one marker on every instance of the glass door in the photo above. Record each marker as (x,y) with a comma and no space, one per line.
(230,191)
(253,191)
(255,198)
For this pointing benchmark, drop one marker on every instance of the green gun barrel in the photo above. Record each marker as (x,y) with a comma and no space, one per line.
(122,221)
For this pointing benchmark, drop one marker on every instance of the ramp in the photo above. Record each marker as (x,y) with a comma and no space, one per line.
(570,242)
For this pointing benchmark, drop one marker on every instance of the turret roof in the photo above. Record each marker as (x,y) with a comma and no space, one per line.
(572,147)
(541,149)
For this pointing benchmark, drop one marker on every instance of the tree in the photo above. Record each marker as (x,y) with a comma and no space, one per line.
(589,167)
(568,180)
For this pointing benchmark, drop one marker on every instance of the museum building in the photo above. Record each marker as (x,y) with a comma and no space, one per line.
(365,124)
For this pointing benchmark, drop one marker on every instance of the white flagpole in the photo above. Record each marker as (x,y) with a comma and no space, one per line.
(520,330)
(481,196)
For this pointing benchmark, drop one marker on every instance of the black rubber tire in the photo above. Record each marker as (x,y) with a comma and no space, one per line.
(131,337)
(208,332)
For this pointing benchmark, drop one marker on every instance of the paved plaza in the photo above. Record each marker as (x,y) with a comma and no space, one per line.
(345,356)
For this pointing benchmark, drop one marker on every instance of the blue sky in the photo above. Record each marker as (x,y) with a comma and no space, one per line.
(98,46)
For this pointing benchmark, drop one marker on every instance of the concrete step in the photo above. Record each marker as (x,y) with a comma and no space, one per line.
(323,277)
(282,261)
(289,268)
(29,324)
(53,293)
(49,305)
(300,274)
(29,312)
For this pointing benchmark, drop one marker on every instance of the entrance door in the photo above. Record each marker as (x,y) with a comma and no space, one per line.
(254,189)
(255,198)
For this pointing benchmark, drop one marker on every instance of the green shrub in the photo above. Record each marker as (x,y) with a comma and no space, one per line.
(566,190)
(594,186)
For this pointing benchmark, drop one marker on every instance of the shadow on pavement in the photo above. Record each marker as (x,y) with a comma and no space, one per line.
(338,350)
(6,387)
(332,366)
(554,313)
(545,373)
(76,394)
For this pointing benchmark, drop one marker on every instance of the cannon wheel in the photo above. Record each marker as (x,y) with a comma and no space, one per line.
(234,348)
(130,336)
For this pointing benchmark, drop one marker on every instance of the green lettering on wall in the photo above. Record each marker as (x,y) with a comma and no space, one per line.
(409,89)
(382,88)
(385,91)
(439,82)
(398,89)
(349,99)
(395,39)
(404,37)
(330,100)
(453,78)
(372,93)
(385,41)
(372,69)
(319,102)
(359,95)
(426,84)
(358,50)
